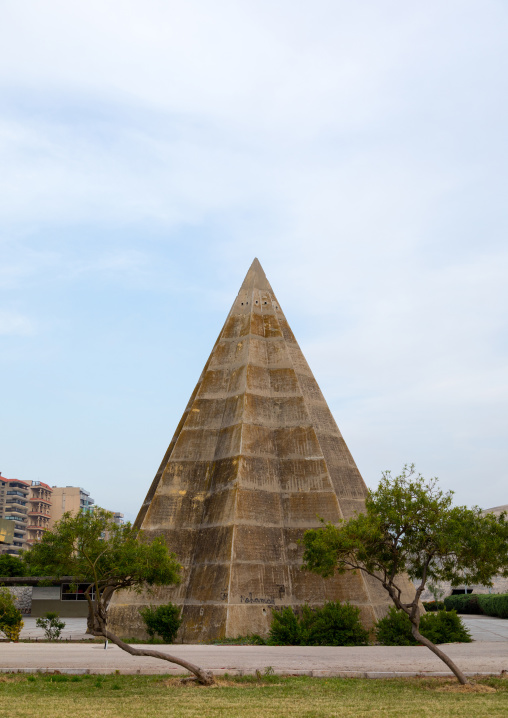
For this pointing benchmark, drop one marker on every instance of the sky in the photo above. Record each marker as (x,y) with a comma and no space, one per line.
(149,150)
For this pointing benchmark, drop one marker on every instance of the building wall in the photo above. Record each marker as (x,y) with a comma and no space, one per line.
(48,598)
(69,498)
(37,600)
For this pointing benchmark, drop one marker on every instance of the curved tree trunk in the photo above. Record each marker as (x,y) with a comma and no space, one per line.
(97,626)
(451,665)
(204,676)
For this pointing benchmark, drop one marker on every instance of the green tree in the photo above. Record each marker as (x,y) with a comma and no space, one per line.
(410,527)
(92,549)
(11,620)
(11,566)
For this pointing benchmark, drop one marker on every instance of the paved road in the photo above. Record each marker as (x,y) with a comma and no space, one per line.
(373,661)
(488,654)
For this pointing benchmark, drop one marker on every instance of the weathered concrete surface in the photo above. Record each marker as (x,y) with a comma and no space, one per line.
(256,458)
(372,661)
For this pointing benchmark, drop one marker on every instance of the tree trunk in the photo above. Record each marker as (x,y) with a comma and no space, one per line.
(92,624)
(451,665)
(97,626)
(205,677)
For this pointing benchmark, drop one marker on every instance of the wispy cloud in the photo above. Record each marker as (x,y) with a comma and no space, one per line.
(12,323)
(150,150)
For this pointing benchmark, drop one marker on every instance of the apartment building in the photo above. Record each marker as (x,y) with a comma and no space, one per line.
(39,510)
(71,499)
(117,518)
(14,506)
(34,507)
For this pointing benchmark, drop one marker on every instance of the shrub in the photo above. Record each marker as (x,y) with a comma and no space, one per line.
(334,624)
(434,605)
(51,624)
(440,627)
(164,620)
(494,604)
(463,603)
(11,620)
(285,629)
(444,627)
(395,629)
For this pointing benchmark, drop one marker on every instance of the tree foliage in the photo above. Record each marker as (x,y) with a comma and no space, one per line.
(11,566)
(395,629)
(163,620)
(11,619)
(92,549)
(411,527)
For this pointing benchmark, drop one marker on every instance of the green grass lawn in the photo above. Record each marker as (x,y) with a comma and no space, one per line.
(65,696)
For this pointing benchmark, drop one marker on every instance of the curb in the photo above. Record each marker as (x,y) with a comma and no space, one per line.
(252,672)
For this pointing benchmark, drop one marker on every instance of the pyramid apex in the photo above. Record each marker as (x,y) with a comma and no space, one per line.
(256,278)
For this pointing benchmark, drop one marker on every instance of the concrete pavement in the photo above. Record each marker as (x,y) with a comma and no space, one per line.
(363,661)
(75,629)
(486,628)
(487,655)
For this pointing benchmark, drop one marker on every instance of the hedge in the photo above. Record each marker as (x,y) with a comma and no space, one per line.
(491,604)
(334,624)
(463,603)
(494,604)
(439,627)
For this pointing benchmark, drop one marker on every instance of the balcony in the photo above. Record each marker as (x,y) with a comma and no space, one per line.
(15,510)
(18,487)
(36,527)
(46,514)
(36,499)
(18,502)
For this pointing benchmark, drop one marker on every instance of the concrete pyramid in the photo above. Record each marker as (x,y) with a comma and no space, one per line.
(257,457)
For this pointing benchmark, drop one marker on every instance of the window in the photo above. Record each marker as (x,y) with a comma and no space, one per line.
(75,592)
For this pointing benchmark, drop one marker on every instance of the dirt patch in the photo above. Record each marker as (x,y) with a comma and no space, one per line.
(468,688)
(219,683)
